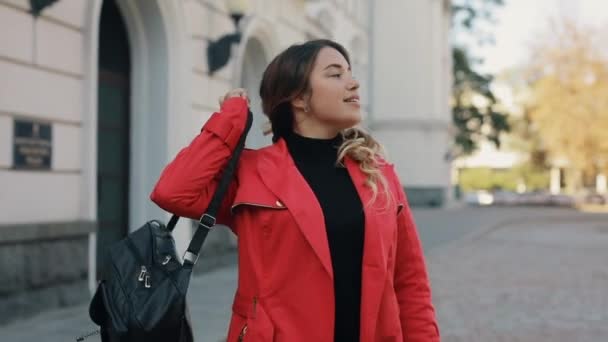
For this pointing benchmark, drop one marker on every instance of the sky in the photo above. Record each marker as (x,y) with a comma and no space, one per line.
(519,21)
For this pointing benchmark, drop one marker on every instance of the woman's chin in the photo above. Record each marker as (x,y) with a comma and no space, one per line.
(345,120)
(351,121)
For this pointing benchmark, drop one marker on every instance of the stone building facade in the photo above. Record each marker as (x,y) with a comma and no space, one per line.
(97,96)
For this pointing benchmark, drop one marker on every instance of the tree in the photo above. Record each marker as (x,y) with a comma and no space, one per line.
(569,107)
(523,136)
(474,107)
(468,14)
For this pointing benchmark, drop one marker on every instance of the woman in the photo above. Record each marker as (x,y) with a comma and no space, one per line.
(328,250)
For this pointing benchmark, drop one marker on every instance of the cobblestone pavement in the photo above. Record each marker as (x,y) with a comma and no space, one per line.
(527,282)
(542,278)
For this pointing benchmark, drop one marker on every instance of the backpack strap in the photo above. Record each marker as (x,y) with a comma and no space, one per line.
(208,219)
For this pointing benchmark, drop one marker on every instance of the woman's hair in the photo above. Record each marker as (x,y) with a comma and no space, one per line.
(287,77)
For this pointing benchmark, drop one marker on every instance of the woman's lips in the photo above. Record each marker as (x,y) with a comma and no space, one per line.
(353,101)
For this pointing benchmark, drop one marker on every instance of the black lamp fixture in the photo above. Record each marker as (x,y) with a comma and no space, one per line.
(36,6)
(218,51)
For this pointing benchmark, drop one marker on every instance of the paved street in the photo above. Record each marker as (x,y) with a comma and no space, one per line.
(498,274)
(438,227)
(526,282)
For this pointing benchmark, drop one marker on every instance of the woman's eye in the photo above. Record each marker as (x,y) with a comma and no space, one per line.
(336,75)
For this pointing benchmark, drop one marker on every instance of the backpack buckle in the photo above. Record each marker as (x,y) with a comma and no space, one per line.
(190,257)
(207,221)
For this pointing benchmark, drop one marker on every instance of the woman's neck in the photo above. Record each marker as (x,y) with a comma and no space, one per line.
(310,149)
(310,129)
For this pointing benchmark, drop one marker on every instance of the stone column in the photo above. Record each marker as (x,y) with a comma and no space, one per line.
(555,181)
(600,183)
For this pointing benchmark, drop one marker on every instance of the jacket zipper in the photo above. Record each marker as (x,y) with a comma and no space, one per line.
(242,334)
(244,330)
(399,208)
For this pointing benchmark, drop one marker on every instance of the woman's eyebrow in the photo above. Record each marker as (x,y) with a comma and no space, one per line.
(335,66)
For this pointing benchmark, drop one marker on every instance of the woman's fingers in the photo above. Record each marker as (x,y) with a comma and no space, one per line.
(238,92)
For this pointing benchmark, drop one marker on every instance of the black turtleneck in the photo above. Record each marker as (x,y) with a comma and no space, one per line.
(344,222)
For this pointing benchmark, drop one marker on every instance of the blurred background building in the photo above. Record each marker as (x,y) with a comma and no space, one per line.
(97,96)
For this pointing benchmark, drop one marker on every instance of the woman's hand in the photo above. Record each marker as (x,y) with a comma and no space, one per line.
(238,92)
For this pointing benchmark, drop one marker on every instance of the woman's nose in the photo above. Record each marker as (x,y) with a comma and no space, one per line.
(353,84)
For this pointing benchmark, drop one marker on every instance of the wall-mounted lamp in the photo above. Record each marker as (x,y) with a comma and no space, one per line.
(36,6)
(218,51)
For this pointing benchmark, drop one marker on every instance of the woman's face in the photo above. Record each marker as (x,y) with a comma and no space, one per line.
(334,100)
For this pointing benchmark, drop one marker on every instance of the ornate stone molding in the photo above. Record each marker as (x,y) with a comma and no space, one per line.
(321,14)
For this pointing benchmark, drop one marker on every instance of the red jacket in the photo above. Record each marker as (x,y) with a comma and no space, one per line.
(285,283)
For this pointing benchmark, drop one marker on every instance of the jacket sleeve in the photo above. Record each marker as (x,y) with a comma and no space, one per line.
(187,183)
(411,281)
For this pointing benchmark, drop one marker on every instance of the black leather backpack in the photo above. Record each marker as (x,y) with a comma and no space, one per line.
(143,294)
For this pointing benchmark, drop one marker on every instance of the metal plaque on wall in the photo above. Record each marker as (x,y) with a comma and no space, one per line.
(32,145)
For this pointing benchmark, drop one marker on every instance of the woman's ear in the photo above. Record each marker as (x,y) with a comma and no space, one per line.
(300,103)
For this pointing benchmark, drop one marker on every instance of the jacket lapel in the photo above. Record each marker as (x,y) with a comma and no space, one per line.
(280,174)
(374,254)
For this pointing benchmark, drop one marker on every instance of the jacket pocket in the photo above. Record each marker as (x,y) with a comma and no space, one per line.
(252,202)
(237,329)
(261,207)
(250,322)
(255,194)
(261,202)
(277,205)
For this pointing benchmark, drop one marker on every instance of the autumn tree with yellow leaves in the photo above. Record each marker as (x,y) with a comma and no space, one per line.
(569,102)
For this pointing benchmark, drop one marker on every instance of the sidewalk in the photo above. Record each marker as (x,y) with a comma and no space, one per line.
(514,274)
(209,297)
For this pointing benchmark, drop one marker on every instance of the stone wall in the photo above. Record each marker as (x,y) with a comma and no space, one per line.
(43,266)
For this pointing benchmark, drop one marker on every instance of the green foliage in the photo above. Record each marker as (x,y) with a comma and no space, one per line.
(466,14)
(534,177)
(474,113)
(525,138)
(504,179)
(474,107)
(478,179)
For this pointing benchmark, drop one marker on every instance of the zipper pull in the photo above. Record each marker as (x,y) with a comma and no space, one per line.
(242,334)
(142,273)
(166,261)
(147,282)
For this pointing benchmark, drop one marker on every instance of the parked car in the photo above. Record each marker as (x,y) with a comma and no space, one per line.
(595,198)
(562,200)
(533,198)
(503,197)
(481,197)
